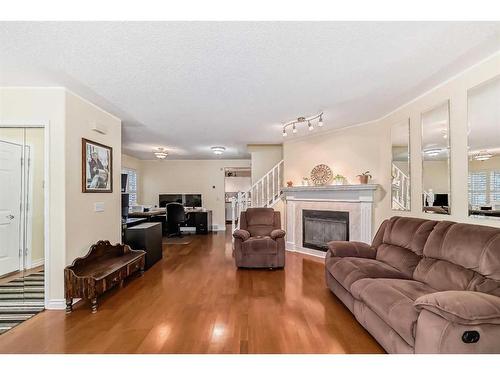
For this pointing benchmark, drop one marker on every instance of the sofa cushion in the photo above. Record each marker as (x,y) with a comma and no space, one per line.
(260,245)
(475,247)
(347,270)
(461,257)
(408,232)
(392,300)
(403,243)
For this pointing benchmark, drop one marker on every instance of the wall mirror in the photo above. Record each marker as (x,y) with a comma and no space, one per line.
(436,196)
(400,166)
(483,121)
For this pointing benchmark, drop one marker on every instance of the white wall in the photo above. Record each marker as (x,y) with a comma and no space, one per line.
(264,157)
(204,177)
(352,150)
(73,224)
(236,184)
(84,226)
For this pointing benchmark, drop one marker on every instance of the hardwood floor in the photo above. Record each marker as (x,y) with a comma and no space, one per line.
(196,301)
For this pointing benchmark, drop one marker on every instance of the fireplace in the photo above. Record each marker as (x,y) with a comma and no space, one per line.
(320,227)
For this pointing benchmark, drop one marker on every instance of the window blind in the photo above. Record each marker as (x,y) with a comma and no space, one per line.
(131,185)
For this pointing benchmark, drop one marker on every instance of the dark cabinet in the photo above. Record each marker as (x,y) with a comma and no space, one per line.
(147,237)
(201,220)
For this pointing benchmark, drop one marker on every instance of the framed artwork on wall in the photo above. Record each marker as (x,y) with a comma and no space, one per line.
(97,167)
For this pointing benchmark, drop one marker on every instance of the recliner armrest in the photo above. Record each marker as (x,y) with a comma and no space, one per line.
(463,307)
(241,234)
(351,249)
(277,233)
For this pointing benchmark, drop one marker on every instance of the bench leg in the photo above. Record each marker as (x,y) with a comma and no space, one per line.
(142,271)
(93,302)
(69,305)
(121,283)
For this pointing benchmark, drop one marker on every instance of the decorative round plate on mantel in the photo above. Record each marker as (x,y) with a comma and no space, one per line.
(321,174)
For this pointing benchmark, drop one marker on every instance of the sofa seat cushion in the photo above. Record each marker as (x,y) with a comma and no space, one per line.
(259,245)
(347,270)
(392,300)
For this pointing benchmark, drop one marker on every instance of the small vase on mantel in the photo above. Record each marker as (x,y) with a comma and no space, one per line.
(364,177)
(339,180)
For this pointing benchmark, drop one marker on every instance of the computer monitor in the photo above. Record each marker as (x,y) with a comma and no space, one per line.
(165,199)
(441,200)
(192,200)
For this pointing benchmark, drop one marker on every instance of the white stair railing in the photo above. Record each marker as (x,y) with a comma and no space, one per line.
(400,189)
(264,193)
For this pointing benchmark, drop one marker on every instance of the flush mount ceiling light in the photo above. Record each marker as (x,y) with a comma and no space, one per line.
(483,155)
(218,150)
(432,151)
(300,120)
(161,153)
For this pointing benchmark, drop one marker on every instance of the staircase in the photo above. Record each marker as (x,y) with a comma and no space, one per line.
(400,189)
(266,192)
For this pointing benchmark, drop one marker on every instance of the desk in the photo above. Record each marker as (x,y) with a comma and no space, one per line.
(199,219)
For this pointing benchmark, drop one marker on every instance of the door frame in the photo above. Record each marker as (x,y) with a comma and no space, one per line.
(46,177)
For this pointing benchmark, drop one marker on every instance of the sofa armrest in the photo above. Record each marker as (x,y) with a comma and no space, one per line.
(241,234)
(277,233)
(462,307)
(351,249)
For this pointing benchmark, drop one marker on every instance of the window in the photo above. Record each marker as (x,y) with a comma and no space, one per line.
(484,187)
(131,186)
(495,186)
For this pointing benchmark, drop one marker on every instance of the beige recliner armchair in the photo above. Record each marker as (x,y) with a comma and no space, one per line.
(259,243)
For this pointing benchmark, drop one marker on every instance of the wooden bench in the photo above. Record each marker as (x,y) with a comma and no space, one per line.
(104,267)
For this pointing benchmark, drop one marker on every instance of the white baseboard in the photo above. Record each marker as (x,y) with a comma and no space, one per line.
(55,304)
(37,263)
(59,304)
(218,228)
(303,250)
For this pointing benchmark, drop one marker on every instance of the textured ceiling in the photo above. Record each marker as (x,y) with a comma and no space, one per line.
(188,86)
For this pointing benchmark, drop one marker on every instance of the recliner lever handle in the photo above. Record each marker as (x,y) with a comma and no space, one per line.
(470,337)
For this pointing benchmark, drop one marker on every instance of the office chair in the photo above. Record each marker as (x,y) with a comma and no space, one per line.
(175,217)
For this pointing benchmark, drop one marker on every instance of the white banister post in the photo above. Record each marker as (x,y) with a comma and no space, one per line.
(239,209)
(233,214)
(267,189)
(262,193)
(274,187)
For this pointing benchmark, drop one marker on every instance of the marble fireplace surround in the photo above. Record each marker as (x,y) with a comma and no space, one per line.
(355,199)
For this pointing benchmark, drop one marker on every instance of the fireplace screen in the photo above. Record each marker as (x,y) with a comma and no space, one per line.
(321,227)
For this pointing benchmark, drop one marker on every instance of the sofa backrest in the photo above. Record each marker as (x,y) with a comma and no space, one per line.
(402,243)
(260,221)
(461,257)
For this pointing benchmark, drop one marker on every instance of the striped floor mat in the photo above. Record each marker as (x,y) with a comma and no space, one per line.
(21,299)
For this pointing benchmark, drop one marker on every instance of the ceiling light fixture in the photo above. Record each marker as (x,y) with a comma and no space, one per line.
(483,155)
(161,153)
(218,150)
(432,151)
(302,119)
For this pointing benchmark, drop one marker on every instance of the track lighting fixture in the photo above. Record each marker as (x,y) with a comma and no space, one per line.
(302,119)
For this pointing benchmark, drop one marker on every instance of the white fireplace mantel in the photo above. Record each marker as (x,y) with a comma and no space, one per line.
(355,199)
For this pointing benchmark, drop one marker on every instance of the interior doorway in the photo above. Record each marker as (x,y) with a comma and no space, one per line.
(235,180)
(22,224)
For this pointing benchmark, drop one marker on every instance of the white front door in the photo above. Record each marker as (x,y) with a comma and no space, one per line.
(10,206)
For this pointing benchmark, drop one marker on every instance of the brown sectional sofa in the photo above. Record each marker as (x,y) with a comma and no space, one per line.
(423,286)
